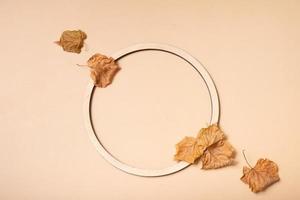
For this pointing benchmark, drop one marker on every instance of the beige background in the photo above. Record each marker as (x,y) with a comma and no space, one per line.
(251,49)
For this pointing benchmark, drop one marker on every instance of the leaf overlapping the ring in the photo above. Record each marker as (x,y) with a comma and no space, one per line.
(103,69)
(210,146)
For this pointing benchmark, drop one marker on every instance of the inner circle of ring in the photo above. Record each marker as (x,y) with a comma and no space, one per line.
(215,107)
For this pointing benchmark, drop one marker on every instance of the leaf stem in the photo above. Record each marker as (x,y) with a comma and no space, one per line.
(246,159)
(81,65)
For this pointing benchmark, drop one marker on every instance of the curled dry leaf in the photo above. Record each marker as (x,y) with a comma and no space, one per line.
(264,174)
(103,69)
(218,155)
(188,150)
(210,146)
(72,41)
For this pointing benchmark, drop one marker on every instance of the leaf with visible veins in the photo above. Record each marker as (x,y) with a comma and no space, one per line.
(188,150)
(264,174)
(210,135)
(218,155)
(210,146)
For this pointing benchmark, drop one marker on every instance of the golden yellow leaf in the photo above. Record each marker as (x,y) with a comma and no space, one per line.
(72,41)
(188,150)
(210,135)
(264,174)
(103,69)
(217,155)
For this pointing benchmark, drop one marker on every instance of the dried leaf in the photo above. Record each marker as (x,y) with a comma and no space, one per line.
(72,41)
(210,135)
(218,155)
(188,150)
(103,69)
(264,174)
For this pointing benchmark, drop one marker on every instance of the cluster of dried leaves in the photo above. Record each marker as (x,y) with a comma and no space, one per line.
(72,41)
(214,151)
(261,176)
(210,146)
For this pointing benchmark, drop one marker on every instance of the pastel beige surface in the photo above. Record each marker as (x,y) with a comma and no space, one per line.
(251,49)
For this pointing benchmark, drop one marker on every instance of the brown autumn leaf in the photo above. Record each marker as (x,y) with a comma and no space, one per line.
(72,41)
(188,150)
(103,69)
(218,155)
(210,135)
(264,174)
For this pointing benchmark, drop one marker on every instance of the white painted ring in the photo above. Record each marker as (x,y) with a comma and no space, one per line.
(158,47)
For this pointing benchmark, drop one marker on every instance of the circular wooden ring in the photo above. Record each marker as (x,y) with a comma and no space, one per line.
(158,47)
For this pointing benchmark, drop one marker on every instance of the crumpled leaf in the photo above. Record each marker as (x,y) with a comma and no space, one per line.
(210,146)
(188,150)
(264,174)
(218,155)
(103,69)
(72,41)
(210,135)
